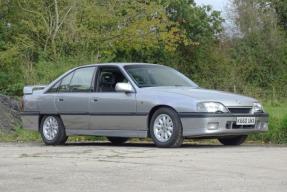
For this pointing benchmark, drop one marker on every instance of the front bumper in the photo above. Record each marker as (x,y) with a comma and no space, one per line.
(215,125)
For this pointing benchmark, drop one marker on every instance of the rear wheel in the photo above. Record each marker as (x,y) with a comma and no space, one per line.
(117,140)
(52,130)
(166,128)
(235,140)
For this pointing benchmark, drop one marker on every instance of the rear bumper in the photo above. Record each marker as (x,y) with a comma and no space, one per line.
(215,125)
(30,120)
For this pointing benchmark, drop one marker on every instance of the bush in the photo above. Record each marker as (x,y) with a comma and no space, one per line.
(277,133)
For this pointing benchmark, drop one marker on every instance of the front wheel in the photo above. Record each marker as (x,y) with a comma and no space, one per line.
(234,140)
(166,128)
(52,130)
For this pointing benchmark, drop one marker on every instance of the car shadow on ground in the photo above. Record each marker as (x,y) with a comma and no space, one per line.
(143,145)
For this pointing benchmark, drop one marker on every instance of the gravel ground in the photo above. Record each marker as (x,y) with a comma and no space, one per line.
(134,167)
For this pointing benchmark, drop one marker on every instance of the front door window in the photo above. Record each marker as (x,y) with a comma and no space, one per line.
(107,79)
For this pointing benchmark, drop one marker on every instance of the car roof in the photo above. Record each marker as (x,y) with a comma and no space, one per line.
(115,64)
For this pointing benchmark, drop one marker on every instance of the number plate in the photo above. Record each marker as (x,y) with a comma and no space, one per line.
(245,121)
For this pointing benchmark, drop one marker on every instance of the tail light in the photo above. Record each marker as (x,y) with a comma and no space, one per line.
(21,104)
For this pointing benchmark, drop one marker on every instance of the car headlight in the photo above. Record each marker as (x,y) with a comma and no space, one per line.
(257,108)
(211,107)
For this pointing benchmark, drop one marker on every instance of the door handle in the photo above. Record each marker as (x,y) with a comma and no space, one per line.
(61,99)
(95,99)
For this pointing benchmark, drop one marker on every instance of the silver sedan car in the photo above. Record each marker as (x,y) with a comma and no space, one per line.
(121,100)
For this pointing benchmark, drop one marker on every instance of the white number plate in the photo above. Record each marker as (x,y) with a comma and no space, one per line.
(245,121)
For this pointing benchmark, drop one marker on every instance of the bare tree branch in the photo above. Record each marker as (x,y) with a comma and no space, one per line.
(36,13)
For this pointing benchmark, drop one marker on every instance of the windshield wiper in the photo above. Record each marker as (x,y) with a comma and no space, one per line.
(179,85)
(145,86)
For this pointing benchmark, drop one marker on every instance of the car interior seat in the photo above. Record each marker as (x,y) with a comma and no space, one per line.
(107,82)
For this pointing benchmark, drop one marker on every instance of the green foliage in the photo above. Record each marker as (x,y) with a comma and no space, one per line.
(39,40)
(281,9)
(259,53)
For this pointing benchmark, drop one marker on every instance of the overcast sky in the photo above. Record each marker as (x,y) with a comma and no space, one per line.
(221,5)
(216,4)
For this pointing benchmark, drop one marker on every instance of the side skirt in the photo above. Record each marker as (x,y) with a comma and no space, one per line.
(108,133)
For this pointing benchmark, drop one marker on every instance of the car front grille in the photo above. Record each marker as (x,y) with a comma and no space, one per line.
(239,110)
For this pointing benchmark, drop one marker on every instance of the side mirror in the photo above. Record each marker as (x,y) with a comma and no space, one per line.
(124,87)
(28,90)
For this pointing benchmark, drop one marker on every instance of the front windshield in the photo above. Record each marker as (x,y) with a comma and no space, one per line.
(157,76)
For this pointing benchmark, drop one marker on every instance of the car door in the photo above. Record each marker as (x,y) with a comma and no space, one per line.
(111,110)
(73,98)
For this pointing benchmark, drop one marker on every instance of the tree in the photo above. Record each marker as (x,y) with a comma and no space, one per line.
(42,39)
(281,9)
(46,18)
(260,51)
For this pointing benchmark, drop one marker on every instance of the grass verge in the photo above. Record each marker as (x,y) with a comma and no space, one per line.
(24,135)
(20,135)
(277,133)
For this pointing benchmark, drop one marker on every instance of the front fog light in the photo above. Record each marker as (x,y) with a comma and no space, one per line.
(265,125)
(213,126)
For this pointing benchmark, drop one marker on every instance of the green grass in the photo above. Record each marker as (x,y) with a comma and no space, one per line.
(20,135)
(277,133)
(24,135)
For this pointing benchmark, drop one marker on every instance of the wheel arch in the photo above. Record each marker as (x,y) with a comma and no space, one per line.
(41,116)
(152,111)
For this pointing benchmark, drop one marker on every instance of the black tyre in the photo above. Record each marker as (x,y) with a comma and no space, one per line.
(165,128)
(117,140)
(234,140)
(52,130)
